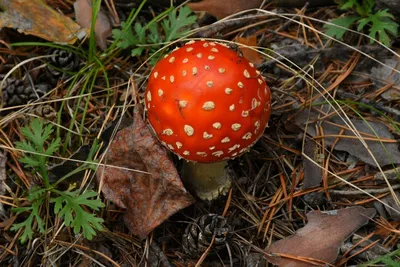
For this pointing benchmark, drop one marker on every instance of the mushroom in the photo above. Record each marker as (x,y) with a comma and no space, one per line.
(207,104)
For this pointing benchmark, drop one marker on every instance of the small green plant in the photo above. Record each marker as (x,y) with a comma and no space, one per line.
(67,204)
(389,260)
(152,35)
(380,23)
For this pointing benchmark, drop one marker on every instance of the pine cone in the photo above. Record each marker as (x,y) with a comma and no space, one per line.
(15,92)
(10,86)
(199,234)
(45,111)
(60,64)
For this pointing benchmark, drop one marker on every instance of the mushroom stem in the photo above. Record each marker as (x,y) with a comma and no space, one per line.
(206,180)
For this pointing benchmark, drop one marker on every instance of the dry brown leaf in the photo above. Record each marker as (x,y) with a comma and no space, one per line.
(248,53)
(321,237)
(38,19)
(221,9)
(149,196)
(102,28)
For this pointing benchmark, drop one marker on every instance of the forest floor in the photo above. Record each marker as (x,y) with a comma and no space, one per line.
(321,187)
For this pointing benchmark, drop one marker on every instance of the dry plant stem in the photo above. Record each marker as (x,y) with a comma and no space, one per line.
(370,191)
(299,3)
(111,7)
(84,248)
(203,257)
(280,28)
(10,245)
(311,261)
(211,30)
(393,174)
(379,106)
(330,52)
(207,180)
(3,175)
(345,258)
(228,203)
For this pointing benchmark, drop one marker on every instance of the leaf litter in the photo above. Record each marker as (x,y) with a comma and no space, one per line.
(382,75)
(146,183)
(320,238)
(38,19)
(377,137)
(274,191)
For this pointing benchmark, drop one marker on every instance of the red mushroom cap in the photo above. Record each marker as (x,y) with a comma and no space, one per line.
(206,103)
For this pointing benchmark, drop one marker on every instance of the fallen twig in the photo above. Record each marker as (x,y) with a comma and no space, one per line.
(357,192)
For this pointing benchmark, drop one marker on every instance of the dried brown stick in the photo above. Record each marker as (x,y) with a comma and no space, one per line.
(358,192)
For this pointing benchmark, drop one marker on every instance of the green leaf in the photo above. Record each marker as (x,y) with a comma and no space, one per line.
(37,134)
(125,37)
(349,4)
(36,197)
(27,233)
(368,5)
(140,33)
(386,259)
(154,36)
(53,147)
(36,193)
(337,32)
(137,51)
(175,26)
(362,9)
(19,210)
(25,146)
(381,24)
(68,205)
(389,262)
(30,161)
(36,154)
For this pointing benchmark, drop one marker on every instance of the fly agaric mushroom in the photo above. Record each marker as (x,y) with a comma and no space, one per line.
(206,103)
